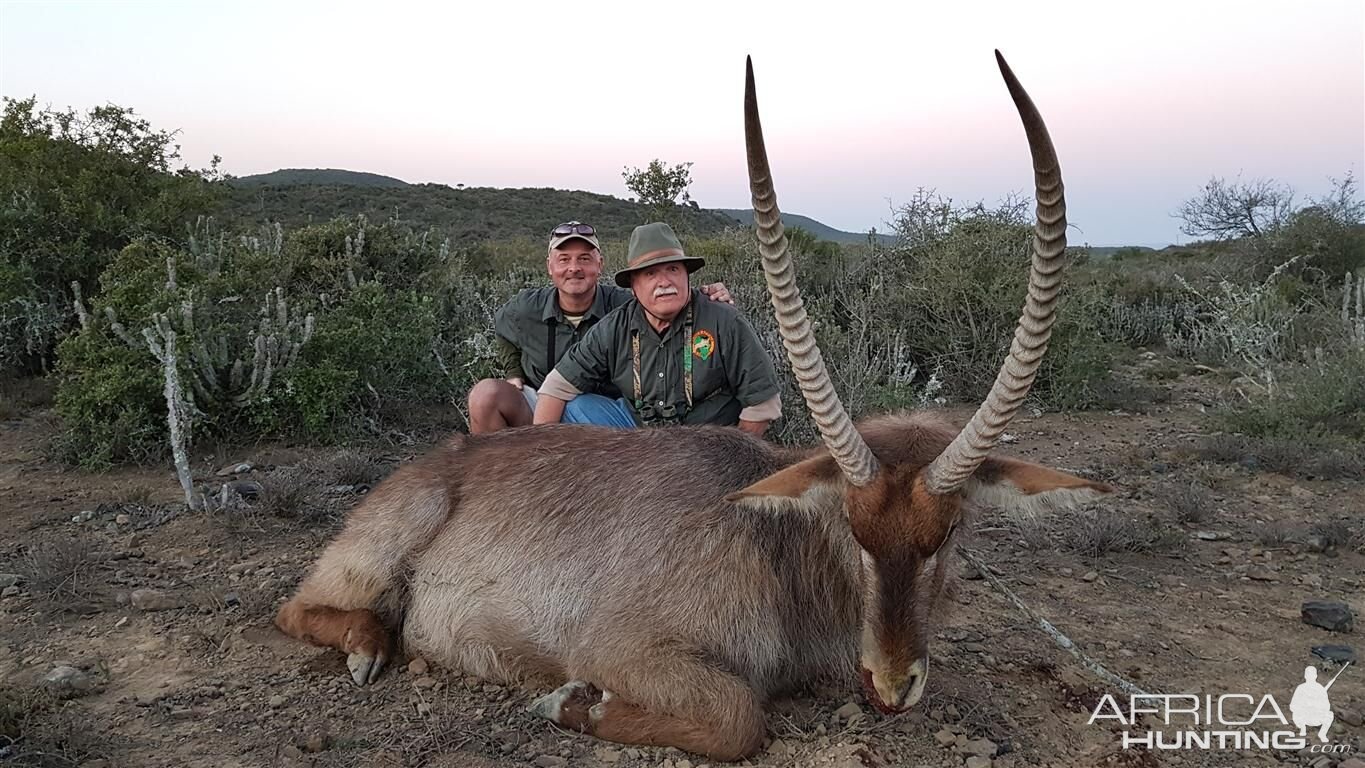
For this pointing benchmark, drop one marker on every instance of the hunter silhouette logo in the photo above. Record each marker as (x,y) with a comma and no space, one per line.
(1227,721)
(1310,705)
(703,344)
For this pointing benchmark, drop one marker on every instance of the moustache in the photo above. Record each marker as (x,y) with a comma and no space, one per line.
(667,290)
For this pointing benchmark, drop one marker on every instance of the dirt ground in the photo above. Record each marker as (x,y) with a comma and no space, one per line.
(165,618)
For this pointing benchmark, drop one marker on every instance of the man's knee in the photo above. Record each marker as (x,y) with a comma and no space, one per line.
(483,396)
(495,404)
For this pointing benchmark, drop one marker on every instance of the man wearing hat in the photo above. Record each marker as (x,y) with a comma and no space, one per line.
(674,357)
(536,328)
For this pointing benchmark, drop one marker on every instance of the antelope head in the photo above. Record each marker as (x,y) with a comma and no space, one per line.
(905,480)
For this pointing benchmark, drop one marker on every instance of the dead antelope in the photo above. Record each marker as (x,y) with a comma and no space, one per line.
(671,581)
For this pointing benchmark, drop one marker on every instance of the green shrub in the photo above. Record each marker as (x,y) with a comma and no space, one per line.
(1317,404)
(339,354)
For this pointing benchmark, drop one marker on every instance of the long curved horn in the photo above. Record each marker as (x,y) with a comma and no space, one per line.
(960,459)
(845,444)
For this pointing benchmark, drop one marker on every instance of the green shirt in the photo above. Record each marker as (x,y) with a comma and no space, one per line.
(533,333)
(730,368)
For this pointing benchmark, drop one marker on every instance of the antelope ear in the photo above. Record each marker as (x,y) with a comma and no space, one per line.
(1030,487)
(792,483)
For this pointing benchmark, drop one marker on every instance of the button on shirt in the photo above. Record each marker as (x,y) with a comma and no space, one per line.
(730,368)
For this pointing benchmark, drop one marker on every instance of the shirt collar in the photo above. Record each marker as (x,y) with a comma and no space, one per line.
(641,323)
(551,310)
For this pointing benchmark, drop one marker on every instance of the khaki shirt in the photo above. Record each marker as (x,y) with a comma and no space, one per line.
(533,333)
(730,368)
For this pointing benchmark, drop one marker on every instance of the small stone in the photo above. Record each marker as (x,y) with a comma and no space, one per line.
(607,754)
(8,580)
(684,764)
(1066,572)
(152,600)
(1332,616)
(1299,492)
(1261,573)
(1317,543)
(418,667)
(550,761)
(292,752)
(945,737)
(424,682)
(848,710)
(67,682)
(121,623)
(423,708)
(1211,535)
(1090,576)
(231,599)
(276,701)
(1353,762)
(976,761)
(1341,654)
(9,592)
(123,518)
(1350,716)
(979,747)
(779,747)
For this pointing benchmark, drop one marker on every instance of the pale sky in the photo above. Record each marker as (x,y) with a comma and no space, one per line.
(862,103)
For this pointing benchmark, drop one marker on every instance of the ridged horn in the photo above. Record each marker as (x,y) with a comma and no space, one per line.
(843,440)
(949,472)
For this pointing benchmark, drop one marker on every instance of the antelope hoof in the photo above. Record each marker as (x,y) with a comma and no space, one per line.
(364,669)
(568,704)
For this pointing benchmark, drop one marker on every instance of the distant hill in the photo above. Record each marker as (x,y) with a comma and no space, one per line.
(467,214)
(745,216)
(291,176)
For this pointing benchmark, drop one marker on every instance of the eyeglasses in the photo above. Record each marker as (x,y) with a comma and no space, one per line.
(574,228)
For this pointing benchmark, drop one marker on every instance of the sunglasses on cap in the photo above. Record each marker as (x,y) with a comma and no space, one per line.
(574,228)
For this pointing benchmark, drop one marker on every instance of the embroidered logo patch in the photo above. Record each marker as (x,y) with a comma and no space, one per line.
(703,344)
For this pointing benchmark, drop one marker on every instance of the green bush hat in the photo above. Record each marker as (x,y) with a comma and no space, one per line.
(652,244)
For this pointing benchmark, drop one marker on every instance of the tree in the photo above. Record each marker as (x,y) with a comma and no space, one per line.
(659,187)
(1227,210)
(74,190)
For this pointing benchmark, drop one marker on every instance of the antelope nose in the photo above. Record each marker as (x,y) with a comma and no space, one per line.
(913,688)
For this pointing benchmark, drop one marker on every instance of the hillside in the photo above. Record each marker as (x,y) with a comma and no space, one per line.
(473,213)
(324,176)
(745,216)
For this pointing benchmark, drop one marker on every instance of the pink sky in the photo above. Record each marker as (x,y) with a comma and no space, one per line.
(862,103)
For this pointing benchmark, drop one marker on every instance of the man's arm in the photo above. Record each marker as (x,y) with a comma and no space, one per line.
(509,359)
(506,329)
(583,368)
(555,393)
(753,378)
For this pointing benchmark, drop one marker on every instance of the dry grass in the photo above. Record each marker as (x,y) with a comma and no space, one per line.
(37,731)
(1190,501)
(61,573)
(351,467)
(1095,534)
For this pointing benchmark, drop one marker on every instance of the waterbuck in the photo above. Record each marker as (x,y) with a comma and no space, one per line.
(671,581)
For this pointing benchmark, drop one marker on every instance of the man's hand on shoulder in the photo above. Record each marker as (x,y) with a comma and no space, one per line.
(718,292)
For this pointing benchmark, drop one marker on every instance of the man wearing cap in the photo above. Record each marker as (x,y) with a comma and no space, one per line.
(536,328)
(675,357)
